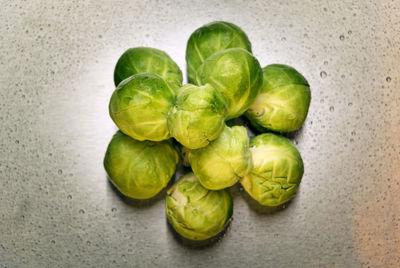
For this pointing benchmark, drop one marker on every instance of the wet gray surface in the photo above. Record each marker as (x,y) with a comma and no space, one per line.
(56,64)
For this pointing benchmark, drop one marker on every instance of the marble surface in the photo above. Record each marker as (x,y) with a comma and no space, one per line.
(56,77)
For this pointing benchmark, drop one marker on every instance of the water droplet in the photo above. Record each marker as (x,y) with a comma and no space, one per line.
(69,196)
(341,37)
(350,104)
(349,32)
(283,38)
(60,172)
(88,243)
(343,76)
(388,79)
(351,140)
(326,62)
(331,108)
(323,74)
(353,133)
(82,211)
(53,241)
(17,141)
(114,209)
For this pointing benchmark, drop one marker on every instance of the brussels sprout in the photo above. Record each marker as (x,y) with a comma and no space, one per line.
(139,106)
(236,74)
(224,161)
(198,116)
(139,169)
(211,38)
(146,60)
(277,170)
(195,212)
(283,101)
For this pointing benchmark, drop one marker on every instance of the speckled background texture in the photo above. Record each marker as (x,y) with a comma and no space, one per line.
(56,77)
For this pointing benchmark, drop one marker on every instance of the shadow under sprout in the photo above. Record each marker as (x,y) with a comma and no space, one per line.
(141,203)
(238,189)
(199,244)
(243,121)
(294,136)
(180,171)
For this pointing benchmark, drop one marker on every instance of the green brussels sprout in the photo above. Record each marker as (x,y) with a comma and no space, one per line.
(224,161)
(195,212)
(139,169)
(277,170)
(146,60)
(198,116)
(283,101)
(211,38)
(236,74)
(140,104)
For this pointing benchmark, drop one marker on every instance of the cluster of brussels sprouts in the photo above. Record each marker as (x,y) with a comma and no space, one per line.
(150,106)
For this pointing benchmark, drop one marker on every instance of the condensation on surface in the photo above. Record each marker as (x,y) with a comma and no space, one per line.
(56,205)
